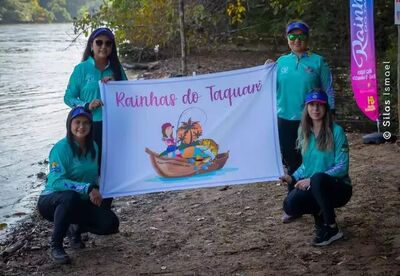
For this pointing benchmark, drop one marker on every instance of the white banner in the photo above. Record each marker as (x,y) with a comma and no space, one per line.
(190,132)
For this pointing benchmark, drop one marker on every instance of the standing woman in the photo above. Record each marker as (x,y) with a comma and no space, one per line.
(71,194)
(99,62)
(297,73)
(322,181)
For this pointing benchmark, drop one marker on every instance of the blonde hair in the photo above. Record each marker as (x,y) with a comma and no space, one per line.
(325,135)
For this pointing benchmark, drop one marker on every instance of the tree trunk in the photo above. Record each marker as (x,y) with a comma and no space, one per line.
(183,37)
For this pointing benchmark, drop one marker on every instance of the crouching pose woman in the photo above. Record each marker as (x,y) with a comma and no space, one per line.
(322,182)
(71,198)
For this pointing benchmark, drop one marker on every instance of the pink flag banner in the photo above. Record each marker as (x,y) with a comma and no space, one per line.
(363,69)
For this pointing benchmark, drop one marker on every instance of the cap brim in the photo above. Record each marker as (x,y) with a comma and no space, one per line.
(107,34)
(316,100)
(87,115)
(298,28)
(102,31)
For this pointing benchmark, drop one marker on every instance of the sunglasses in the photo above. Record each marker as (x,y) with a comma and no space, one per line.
(100,42)
(301,37)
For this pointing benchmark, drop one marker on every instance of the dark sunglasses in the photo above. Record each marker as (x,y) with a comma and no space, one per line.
(301,37)
(100,42)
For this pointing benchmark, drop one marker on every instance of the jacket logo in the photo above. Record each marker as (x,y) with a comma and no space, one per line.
(55,167)
(284,70)
(309,70)
(90,78)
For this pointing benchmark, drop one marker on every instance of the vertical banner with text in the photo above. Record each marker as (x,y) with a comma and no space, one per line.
(363,67)
(397,12)
(190,132)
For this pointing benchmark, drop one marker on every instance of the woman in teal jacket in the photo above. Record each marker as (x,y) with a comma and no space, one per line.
(322,182)
(71,197)
(99,63)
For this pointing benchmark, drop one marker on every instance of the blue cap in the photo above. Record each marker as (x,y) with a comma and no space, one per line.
(316,96)
(102,31)
(80,111)
(298,25)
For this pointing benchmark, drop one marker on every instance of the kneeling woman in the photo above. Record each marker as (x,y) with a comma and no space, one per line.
(71,198)
(322,182)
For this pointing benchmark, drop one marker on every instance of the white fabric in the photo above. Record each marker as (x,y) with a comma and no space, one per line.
(245,125)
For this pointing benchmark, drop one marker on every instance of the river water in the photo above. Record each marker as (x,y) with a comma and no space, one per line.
(36,61)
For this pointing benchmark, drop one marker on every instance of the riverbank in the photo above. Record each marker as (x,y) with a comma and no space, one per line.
(233,230)
(44,58)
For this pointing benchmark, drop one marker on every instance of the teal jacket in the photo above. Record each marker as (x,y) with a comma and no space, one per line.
(68,172)
(83,86)
(333,162)
(296,77)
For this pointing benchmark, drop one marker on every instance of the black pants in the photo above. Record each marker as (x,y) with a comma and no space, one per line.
(287,140)
(67,207)
(325,194)
(98,138)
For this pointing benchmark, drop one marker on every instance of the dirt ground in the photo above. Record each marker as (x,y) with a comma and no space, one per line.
(232,230)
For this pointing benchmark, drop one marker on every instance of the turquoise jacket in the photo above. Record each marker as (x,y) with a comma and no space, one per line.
(68,172)
(296,77)
(333,162)
(83,86)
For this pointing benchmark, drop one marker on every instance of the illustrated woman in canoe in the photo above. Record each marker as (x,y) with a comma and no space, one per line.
(167,130)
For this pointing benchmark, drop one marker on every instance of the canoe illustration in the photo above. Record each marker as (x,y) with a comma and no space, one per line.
(180,167)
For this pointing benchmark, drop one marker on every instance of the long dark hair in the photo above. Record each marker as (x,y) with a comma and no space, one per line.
(325,136)
(113,58)
(89,143)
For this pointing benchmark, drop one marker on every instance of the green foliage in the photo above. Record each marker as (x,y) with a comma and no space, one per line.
(24,11)
(143,23)
(146,23)
(236,11)
(76,7)
(14,11)
(199,24)
(290,8)
(58,9)
(88,7)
